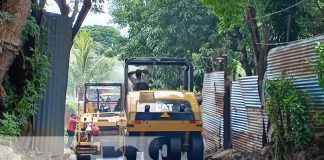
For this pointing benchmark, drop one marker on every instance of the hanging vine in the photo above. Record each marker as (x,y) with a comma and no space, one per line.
(20,107)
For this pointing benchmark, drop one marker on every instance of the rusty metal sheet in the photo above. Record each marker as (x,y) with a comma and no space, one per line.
(247,117)
(219,103)
(218,81)
(208,111)
(298,60)
(212,110)
(255,127)
(250,140)
(240,141)
(210,141)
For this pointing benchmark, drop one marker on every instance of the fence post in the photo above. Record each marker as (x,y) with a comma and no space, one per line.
(226,109)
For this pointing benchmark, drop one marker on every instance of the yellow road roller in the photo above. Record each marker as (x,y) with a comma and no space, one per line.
(102,107)
(165,124)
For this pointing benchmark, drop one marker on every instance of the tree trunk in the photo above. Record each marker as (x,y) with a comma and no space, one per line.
(65,10)
(245,63)
(10,37)
(236,37)
(260,51)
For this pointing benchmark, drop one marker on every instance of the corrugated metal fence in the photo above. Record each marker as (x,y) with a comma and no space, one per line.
(298,60)
(247,118)
(49,121)
(212,110)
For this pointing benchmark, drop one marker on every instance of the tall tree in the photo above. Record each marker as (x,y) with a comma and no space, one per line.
(258,17)
(11,27)
(164,28)
(77,15)
(108,39)
(85,65)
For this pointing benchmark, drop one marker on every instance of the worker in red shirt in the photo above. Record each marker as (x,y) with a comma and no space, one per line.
(95,132)
(70,130)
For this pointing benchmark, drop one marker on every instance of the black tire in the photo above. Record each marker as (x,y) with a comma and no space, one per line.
(196,148)
(108,151)
(130,152)
(83,157)
(154,147)
(119,152)
(174,152)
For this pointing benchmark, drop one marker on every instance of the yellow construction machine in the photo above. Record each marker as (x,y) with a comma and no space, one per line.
(151,123)
(102,107)
(171,117)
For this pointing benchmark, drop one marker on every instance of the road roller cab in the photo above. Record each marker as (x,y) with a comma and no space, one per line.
(171,117)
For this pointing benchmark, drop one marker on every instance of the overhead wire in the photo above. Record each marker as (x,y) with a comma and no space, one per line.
(273,13)
(273,44)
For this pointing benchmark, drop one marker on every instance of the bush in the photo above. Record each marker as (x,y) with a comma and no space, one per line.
(289,114)
(319,68)
(9,125)
(72,104)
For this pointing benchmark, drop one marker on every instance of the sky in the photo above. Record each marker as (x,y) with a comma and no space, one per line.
(97,19)
(91,19)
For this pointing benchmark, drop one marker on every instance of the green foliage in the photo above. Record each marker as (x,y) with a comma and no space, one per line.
(27,105)
(108,39)
(229,12)
(36,86)
(31,29)
(199,61)
(168,28)
(72,104)
(85,65)
(20,107)
(165,29)
(319,67)
(280,21)
(311,22)
(289,113)
(5,17)
(319,118)
(9,125)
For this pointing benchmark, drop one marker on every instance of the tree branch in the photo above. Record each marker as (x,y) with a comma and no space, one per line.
(244,62)
(83,13)
(288,28)
(64,8)
(75,9)
(265,49)
(252,26)
(42,3)
(266,38)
